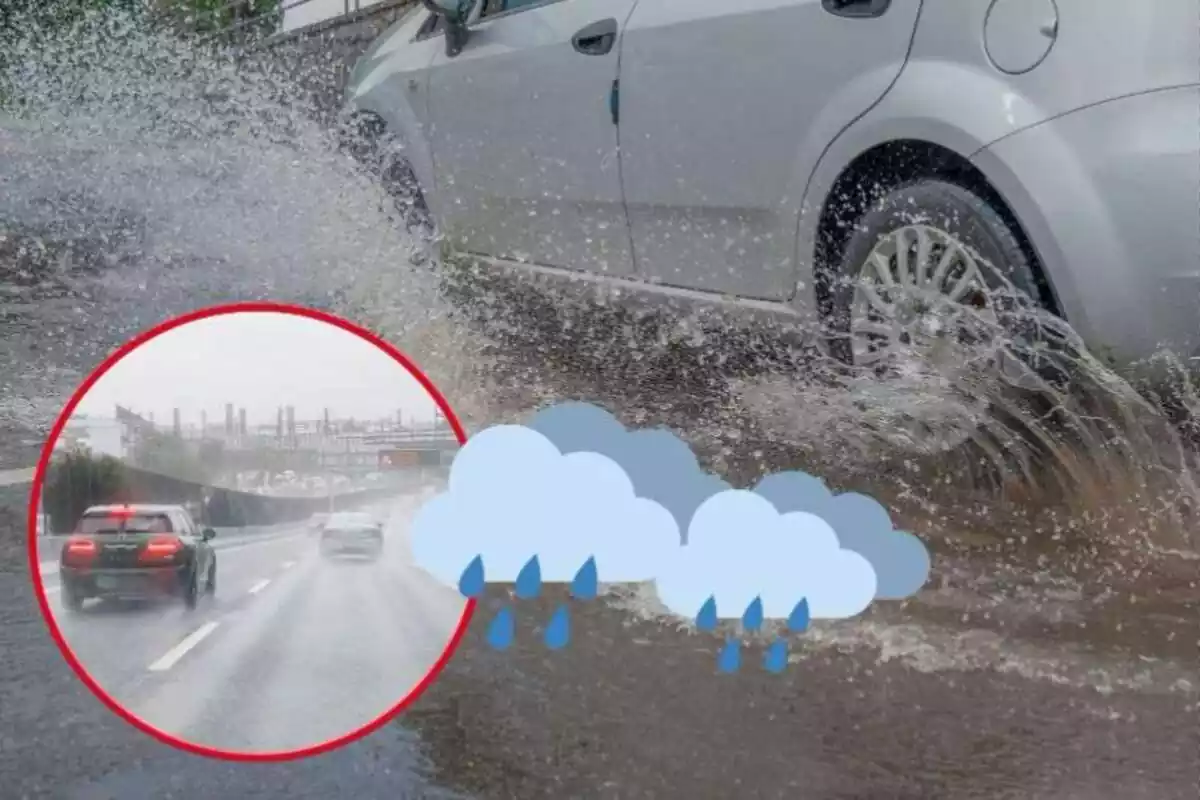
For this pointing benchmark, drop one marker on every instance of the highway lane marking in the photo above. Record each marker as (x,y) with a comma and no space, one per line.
(258,587)
(48,567)
(172,656)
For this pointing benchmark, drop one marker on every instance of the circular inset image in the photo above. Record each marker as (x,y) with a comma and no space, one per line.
(220,542)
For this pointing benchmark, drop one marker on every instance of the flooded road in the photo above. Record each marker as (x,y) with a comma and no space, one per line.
(1052,655)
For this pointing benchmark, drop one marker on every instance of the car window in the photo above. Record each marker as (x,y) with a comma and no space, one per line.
(352,518)
(106,522)
(493,7)
(184,523)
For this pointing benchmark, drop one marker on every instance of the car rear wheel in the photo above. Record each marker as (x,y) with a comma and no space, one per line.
(924,262)
(933,283)
(72,599)
(191,590)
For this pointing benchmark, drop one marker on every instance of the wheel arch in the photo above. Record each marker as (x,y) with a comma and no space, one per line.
(886,166)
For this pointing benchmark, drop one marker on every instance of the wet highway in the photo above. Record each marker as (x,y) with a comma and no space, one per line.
(293,649)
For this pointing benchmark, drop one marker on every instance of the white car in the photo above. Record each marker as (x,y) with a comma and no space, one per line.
(850,160)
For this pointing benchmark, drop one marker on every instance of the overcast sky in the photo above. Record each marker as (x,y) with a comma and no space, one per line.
(259,361)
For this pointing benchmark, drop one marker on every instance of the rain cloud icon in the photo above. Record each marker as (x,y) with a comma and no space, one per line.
(576,498)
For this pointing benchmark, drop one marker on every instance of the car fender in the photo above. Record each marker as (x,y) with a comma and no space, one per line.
(950,105)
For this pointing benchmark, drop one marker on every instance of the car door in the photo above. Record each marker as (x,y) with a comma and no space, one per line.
(725,108)
(524,139)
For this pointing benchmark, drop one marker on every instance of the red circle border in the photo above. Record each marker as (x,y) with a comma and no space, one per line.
(34,562)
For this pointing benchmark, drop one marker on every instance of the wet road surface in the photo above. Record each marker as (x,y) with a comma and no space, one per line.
(293,649)
(976,691)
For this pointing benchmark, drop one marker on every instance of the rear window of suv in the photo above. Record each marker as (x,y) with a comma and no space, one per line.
(93,524)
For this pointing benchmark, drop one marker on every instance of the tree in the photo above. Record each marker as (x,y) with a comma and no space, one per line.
(78,479)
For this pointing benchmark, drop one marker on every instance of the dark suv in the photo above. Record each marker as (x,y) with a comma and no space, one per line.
(137,552)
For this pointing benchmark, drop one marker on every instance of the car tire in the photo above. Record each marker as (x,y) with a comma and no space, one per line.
(191,590)
(957,212)
(71,598)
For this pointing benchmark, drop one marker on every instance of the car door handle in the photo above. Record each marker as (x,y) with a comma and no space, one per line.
(856,8)
(596,39)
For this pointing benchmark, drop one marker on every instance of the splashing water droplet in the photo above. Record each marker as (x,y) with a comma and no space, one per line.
(798,621)
(500,632)
(471,582)
(730,659)
(706,620)
(775,659)
(752,619)
(558,632)
(529,580)
(586,582)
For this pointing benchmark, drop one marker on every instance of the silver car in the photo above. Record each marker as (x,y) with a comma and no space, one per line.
(745,152)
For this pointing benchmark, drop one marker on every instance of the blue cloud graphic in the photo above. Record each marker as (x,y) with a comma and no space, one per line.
(900,560)
(513,495)
(740,548)
(660,464)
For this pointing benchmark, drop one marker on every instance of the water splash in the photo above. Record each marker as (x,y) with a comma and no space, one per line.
(501,632)
(752,619)
(706,619)
(775,659)
(472,581)
(799,618)
(529,579)
(558,632)
(730,659)
(586,583)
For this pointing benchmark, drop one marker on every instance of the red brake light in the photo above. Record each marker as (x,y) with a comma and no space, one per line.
(78,545)
(121,513)
(162,547)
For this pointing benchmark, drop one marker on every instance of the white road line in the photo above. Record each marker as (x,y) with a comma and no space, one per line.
(172,656)
(258,587)
(48,567)
(52,589)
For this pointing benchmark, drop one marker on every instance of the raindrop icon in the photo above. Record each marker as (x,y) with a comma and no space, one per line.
(586,581)
(775,659)
(558,632)
(752,619)
(500,632)
(471,582)
(529,579)
(706,620)
(798,621)
(731,656)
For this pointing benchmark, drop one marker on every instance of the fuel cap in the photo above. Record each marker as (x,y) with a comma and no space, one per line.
(1018,34)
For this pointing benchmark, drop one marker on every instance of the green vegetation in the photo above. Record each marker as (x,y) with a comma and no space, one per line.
(77,479)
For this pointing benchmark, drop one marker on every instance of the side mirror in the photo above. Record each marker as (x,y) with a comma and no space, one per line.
(207,534)
(455,13)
